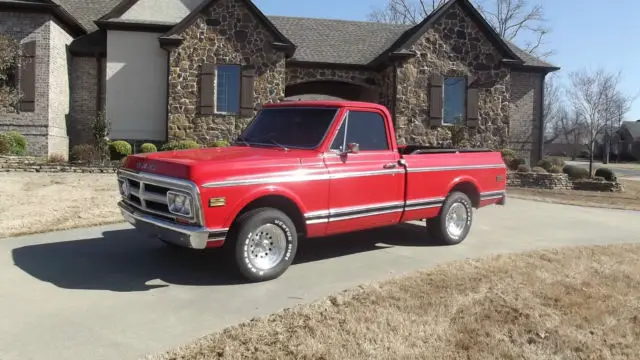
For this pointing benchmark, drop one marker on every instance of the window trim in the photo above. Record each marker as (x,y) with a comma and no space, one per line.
(345,117)
(215,91)
(464,100)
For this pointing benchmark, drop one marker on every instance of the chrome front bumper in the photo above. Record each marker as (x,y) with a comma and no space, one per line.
(188,236)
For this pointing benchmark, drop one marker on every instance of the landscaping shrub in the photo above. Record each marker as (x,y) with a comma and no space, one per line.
(180,145)
(119,149)
(5,145)
(556,169)
(218,143)
(515,163)
(148,148)
(508,153)
(575,172)
(539,170)
(545,164)
(84,153)
(17,143)
(524,168)
(557,161)
(606,173)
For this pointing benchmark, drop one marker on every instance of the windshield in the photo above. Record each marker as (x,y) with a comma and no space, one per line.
(295,127)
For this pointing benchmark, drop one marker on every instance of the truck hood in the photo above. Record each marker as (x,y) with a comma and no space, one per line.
(204,165)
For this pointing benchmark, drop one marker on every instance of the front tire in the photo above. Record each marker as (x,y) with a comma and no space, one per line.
(453,223)
(264,244)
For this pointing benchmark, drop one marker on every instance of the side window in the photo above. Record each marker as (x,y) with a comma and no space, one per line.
(338,141)
(368,130)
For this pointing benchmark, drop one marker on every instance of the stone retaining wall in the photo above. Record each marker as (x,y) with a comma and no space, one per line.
(559,182)
(539,181)
(33,164)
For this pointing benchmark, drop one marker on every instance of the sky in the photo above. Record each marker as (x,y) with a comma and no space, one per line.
(584,34)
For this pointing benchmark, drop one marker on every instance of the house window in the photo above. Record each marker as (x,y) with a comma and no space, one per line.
(454,100)
(228,78)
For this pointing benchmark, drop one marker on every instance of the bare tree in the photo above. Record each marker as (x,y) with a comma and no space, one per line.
(510,18)
(591,95)
(551,108)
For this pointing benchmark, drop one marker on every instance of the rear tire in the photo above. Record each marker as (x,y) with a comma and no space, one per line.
(454,220)
(263,244)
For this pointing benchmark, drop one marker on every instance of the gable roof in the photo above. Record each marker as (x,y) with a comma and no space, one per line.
(337,41)
(329,41)
(633,127)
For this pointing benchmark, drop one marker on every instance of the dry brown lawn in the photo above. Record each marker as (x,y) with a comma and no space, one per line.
(39,202)
(575,303)
(629,199)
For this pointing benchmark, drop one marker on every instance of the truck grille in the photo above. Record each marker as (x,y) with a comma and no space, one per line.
(148,194)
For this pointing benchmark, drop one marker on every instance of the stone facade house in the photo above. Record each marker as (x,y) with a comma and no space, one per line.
(628,140)
(199,69)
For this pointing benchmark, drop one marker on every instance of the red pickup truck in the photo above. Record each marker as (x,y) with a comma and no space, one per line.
(302,170)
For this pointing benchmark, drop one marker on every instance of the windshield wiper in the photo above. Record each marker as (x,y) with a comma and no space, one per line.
(266,137)
(242,140)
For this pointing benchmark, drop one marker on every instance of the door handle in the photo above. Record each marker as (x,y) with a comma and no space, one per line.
(390,166)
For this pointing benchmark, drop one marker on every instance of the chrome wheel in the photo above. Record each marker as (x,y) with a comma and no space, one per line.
(267,246)
(456,220)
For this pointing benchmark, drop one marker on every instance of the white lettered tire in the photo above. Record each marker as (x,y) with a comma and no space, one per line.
(265,244)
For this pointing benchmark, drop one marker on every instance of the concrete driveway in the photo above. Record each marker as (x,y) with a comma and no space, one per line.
(107,293)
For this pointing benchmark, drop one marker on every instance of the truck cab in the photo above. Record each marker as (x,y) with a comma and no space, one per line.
(302,170)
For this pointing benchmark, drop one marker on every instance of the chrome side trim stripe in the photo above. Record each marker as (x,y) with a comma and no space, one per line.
(300,176)
(454,168)
(318,217)
(492,195)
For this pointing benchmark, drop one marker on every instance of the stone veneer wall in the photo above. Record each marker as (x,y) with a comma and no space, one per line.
(34,125)
(539,180)
(524,110)
(454,46)
(239,39)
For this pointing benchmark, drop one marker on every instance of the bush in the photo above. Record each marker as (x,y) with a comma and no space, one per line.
(148,148)
(56,158)
(545,164)
(539,170)
(556,169)
(508,153)
(557,161)
(119,149)
(575,172)
(17,143)
(5,145)
(180,145)
(84,153)
(606,173)
(219,143)
(515,163)
(524,168)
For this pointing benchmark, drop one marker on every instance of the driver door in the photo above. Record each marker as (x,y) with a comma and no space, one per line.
(365,187)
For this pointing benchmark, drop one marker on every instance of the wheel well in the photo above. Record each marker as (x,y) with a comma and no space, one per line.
(470,190)
(281,203)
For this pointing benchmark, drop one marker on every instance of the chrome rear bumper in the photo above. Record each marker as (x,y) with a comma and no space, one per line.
(194,237)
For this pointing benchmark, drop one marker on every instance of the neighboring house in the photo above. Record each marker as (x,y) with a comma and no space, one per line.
(629,140)
(571,143)
(199,69)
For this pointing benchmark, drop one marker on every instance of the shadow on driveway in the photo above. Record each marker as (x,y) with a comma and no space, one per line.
(125,260)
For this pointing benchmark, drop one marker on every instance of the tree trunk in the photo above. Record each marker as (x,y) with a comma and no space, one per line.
(591,159)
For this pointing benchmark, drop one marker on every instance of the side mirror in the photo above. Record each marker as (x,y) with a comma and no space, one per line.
(352,148)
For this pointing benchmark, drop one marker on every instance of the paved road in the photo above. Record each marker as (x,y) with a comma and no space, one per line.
(106,293)
(620,171)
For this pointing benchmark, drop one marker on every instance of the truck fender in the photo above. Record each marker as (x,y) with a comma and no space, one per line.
(255,194)
(475,198)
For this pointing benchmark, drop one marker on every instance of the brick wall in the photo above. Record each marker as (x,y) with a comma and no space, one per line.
(44,128)
(84,90)
(58,89)
(34,125)
(524,113)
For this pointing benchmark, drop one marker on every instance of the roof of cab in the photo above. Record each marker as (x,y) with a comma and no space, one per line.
(328,103)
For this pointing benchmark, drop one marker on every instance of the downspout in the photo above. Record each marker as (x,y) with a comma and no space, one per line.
(541,122)
(394,95)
